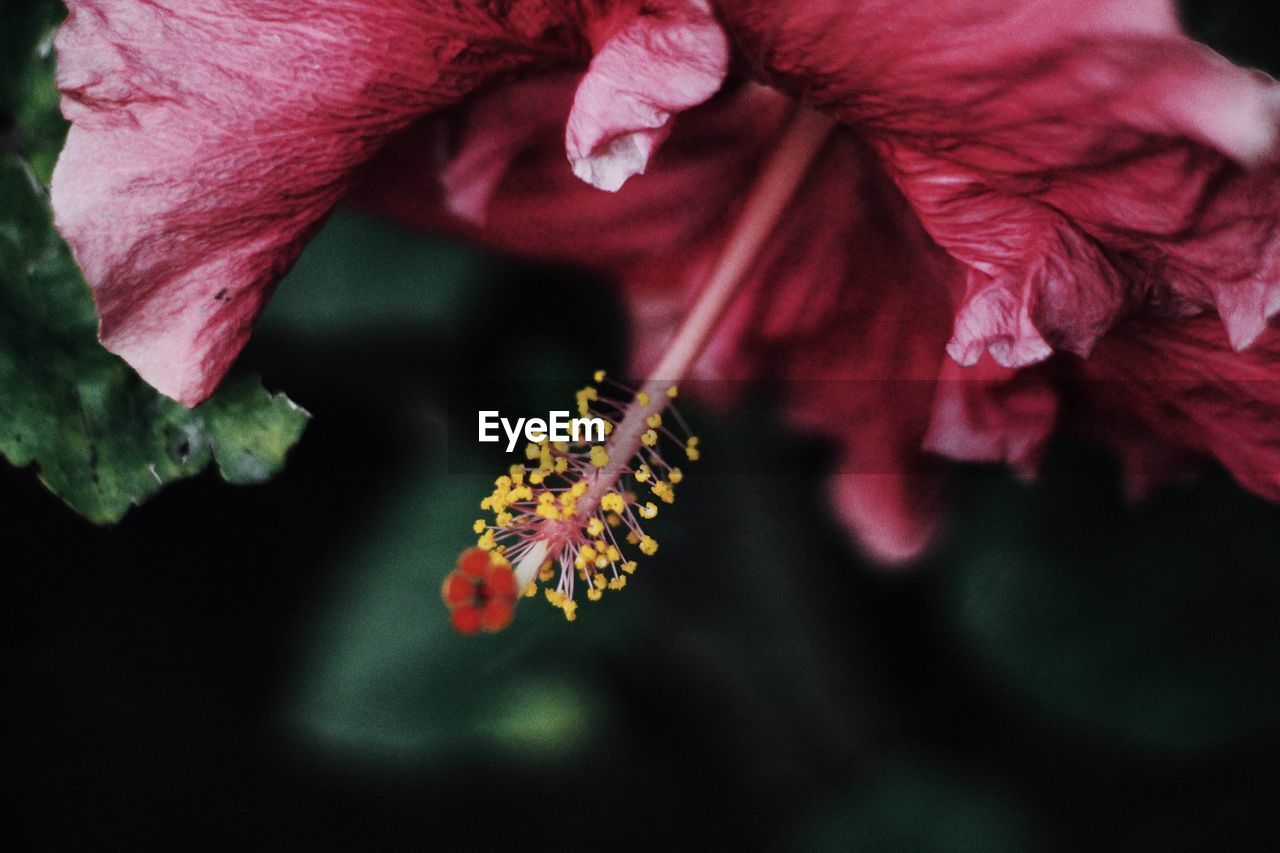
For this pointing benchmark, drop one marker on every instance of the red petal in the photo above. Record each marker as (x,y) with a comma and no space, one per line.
(987,413)
(1075,156)
(208,140)
(1165,394)
(668,57)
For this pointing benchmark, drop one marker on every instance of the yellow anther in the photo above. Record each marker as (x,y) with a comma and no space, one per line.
(664,491)
(648,546)
(598,456)
(479,526)
(613,519)
(588,553)
(594,594)
(608,427)
(675,475)
(486,541)
(599,581)
(650,438)
(602,562)
(503,482)
(613,553)
(561,464)
(629,567)
(673,392)
(486,503)
(642,473)
(618,582)
(613,502)
(642,398)
(649,510)
(578,489)
(531,590)
(598,376)
(546,571)
(585,396)
(654,420)
(547,498)
(549,512)
(633,537)
(594,527)
(555,596)
(693,453)
(503,519)
(531,451)
(536,477)
(693,441)
(570,610)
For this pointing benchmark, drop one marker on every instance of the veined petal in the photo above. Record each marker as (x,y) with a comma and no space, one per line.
(209,139)
(1177,392)
(1084,160)
(989,413)
(667,57)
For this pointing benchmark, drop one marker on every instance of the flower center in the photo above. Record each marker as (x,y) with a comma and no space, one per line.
(568,512)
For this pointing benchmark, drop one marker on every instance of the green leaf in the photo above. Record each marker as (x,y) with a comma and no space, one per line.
(1105,618)
(423,284)
(30,123)
(923,809)
(102,439)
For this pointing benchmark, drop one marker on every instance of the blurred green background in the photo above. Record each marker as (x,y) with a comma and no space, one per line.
(272,667)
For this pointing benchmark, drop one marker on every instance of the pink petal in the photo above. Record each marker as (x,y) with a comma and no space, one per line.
(664,59)
(1164,394)
(893,516)
(488,134)
(209,140)
(988,413)
(1083,159)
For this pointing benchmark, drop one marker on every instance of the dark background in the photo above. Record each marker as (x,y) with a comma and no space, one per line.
(271,666)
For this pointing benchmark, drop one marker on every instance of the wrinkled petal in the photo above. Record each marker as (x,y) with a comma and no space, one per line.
(988,413)
(1065,206)
(1167,394)
(209,140)
(1083,159)
(487,137)
(667,58)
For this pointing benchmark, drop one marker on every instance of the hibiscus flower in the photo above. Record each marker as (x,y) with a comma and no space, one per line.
(989,218)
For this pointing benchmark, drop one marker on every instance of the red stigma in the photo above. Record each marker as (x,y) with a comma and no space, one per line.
(480,593)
